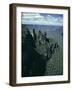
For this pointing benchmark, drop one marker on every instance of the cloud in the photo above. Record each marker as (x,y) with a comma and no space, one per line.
(31,15)
(54,20)
(40,19)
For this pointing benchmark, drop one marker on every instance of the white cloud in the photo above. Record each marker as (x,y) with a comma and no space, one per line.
(36,18)
(31,15)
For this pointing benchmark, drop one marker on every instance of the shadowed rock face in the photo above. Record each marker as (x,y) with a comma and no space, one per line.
(37,50)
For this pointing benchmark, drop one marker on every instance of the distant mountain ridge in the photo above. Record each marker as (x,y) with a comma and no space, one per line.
(37,50)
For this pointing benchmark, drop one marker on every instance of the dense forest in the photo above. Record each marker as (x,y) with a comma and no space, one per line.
(39,54)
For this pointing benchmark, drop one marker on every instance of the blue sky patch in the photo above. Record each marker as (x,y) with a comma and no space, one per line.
(41,18)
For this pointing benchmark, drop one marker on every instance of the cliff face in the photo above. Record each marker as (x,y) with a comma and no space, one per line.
(37,51)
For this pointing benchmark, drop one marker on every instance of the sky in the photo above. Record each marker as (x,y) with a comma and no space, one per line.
(41,19)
